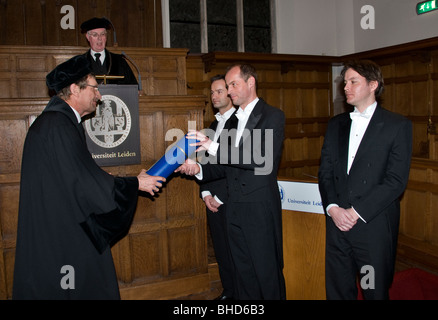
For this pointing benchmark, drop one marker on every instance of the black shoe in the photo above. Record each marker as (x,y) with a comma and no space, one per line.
(223,297)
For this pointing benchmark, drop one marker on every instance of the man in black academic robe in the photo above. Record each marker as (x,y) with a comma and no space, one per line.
(70,210)
(113,65)
(102,61)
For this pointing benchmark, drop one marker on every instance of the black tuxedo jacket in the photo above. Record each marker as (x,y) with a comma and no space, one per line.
(252,179)
(251,169)
(218,187)
(380,171)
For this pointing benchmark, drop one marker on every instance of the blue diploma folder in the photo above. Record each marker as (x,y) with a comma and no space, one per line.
(173,158)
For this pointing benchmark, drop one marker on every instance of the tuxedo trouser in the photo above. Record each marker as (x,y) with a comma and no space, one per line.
(367,251)
(218,230)
(254,248)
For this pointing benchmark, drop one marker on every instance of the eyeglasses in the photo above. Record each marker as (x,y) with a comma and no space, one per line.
(96,88)
(97,35)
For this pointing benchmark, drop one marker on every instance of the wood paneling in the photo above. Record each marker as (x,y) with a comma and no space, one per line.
(418,241)
(38,23)
(23,69)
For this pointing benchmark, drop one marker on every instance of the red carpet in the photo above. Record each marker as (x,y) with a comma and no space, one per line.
(413,284)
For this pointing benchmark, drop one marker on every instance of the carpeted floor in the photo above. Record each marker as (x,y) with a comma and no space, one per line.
(413,284)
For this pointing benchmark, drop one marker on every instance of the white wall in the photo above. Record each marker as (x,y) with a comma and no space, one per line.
(306,27)
(396,22)
(333,27)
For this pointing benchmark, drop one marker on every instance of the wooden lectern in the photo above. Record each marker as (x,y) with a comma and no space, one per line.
(303,240)
(105,77)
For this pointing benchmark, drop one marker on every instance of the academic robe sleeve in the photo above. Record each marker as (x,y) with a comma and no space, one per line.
(107,204)
(107,228)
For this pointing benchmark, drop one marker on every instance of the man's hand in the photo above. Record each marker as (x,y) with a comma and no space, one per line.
(344,219)
(189,167)
(149,183)
(211,203)
(204,141)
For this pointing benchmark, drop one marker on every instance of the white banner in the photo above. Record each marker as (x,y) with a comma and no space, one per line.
(300,196)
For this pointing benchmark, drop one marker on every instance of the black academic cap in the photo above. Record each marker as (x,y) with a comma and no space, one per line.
(68,72)
(95,23)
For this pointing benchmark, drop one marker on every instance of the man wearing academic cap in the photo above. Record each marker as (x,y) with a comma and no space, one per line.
(104,62)
(70,210)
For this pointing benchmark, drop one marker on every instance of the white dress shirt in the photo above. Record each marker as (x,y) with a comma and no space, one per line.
(221,118)
(243,116)
(102,55)
(359,124)
(78,116)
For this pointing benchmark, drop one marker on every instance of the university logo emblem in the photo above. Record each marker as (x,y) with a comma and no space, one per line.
(112,123)
(281,190)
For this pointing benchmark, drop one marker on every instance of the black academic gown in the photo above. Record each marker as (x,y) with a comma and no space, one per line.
(70,212)
(114,65)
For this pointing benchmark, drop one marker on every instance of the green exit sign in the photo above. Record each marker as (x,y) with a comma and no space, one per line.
(427,6)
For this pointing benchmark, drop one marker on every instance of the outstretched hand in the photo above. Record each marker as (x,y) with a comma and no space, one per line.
(204,141)
(150,184)
(189,167)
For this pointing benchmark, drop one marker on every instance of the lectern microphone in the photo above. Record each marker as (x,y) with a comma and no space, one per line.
(136,67)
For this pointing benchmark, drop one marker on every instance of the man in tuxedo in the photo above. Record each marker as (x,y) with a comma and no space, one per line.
(249,164)
(214,193)
(102,61)
(365,162)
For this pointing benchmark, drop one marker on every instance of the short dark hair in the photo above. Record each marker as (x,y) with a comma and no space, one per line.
(246,71)
(217,77)
(369,70)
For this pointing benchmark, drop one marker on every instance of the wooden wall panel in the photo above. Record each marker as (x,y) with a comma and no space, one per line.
(138,23)
(418,239)
(23,69)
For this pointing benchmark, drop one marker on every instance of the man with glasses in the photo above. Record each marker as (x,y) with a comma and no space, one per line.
(70,211)
(104,62)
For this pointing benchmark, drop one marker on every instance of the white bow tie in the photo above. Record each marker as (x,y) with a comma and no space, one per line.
(356,115)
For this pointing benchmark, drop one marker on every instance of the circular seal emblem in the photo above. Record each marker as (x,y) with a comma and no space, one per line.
(281,190)
(111,124)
